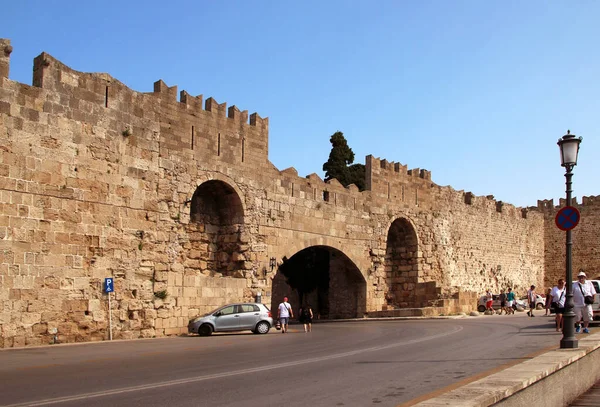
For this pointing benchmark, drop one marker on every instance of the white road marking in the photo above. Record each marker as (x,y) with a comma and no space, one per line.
(177,382)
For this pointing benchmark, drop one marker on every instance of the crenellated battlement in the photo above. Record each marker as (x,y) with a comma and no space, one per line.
(394,168)
(190,123)
(52,74)
(547,205)
(393,181)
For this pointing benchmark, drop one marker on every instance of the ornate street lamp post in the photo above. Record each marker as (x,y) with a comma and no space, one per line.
(569,148)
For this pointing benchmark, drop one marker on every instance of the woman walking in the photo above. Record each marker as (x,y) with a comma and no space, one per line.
(306,317)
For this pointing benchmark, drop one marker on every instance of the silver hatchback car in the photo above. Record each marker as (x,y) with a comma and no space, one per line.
(255,317)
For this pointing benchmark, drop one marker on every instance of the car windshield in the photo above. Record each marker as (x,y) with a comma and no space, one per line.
(212,312)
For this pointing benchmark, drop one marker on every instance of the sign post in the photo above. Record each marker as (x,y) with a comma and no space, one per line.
(109,287)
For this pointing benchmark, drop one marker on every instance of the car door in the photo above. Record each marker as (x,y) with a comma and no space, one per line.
(249,316)
(596,304)
(227,319)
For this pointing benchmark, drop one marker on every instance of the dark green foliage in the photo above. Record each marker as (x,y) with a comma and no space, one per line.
(357,176)
(339,166)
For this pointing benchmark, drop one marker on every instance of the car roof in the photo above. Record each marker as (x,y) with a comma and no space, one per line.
(242,303)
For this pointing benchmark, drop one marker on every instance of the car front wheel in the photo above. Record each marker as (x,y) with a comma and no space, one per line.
(205,330)
(262,327)
(539,306)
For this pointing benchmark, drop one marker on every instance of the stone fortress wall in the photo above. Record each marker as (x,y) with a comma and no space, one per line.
(179,203)
(586,243)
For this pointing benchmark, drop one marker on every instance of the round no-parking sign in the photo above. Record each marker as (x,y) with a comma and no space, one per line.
(567,218)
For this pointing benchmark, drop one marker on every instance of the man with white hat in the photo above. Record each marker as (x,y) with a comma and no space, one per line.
(584,294)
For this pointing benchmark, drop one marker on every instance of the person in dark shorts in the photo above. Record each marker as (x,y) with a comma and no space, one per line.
(531,296)
(502,298)
(306,317)
(558,295)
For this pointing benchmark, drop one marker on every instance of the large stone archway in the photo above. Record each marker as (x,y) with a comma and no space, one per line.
(401,264)
(215,229)
(323,277)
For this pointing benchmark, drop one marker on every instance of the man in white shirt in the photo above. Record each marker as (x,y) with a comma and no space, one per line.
(284,313)
(581,289)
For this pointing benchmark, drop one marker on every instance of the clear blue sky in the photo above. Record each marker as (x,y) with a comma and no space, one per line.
(478,92)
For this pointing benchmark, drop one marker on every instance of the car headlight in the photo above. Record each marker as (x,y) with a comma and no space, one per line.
(196,320)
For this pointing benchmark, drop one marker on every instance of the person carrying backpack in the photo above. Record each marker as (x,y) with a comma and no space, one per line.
(306,316)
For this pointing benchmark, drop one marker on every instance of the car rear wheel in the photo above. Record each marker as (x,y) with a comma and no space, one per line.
(262,327)
(481,308)
(205,330)
(539,305)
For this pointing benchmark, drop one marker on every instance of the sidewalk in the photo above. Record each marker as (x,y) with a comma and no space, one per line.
(554,378)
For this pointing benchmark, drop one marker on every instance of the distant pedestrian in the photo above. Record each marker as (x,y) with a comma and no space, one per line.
(489,301)
(502,298)
(306,317)
(558,296)
(284,313)
(548,301)
(584,294)
(531,297)
(510,301)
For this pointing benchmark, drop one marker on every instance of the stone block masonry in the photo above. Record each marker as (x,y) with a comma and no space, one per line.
(177,201)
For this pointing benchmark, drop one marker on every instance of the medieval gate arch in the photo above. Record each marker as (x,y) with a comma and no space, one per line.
(324,277)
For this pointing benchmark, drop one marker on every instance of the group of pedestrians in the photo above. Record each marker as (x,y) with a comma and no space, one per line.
(507,302)
(285,312)
(583,297)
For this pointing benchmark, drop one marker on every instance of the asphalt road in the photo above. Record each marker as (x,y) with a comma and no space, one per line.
(381,363)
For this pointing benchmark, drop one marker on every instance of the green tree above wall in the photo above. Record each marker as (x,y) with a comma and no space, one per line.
(339,165)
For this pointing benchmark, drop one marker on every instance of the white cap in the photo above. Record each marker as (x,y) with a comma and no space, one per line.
(581,274)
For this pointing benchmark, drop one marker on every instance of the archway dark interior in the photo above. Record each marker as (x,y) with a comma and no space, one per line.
(325,278)
(401,266)
(216,223)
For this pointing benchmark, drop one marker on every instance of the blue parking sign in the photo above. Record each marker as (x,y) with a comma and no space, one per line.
(109,285)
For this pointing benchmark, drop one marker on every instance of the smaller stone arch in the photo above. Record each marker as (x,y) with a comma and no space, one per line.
(215,231)
(217,203)
(215,176)
(401,264)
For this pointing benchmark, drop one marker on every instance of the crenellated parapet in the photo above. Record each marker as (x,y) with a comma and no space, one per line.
(592,200)
(393,181)
(587,202)
(187,125)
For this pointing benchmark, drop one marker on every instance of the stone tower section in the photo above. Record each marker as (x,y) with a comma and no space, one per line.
(393,181)
(5,51)
(184,127)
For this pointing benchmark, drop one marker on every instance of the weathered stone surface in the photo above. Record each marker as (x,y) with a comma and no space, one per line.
(178,202)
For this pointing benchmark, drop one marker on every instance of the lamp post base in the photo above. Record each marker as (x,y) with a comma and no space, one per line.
(569,343)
